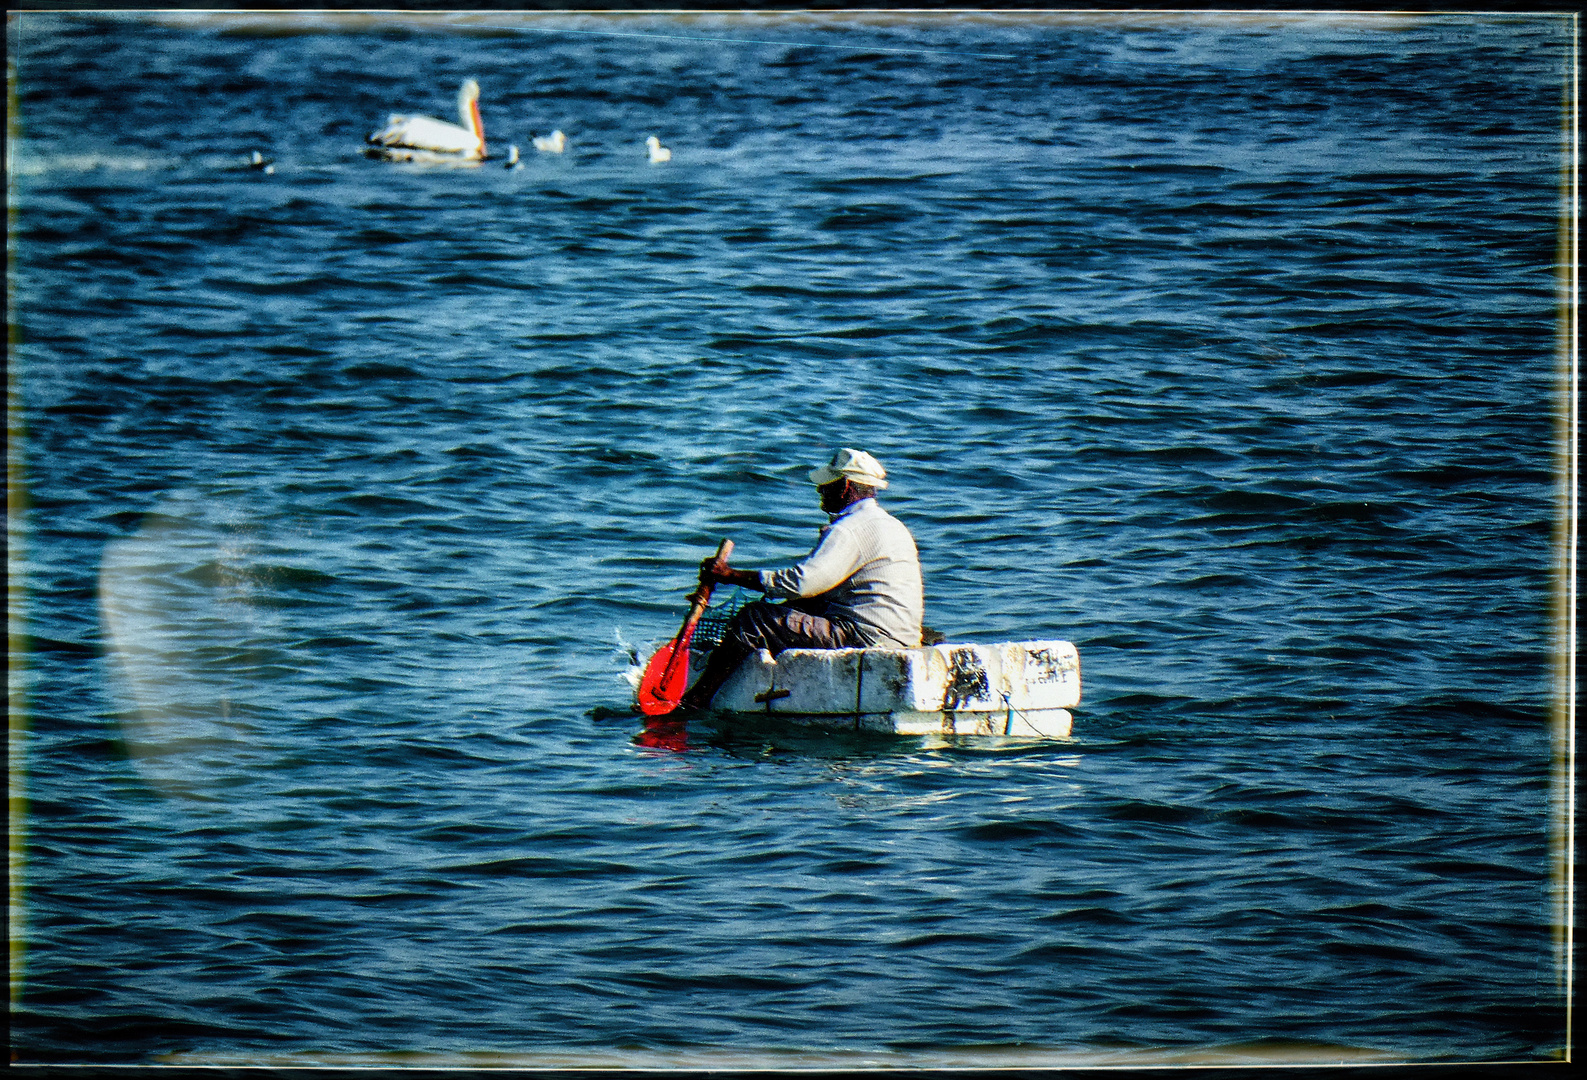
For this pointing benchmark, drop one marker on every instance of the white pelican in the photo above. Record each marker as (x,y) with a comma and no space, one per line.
(423,138)
(554,143)
(657,151)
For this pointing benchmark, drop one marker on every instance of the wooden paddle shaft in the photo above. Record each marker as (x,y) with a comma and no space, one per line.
(702,595)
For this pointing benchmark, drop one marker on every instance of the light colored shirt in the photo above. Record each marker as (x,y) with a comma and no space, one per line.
(866,565)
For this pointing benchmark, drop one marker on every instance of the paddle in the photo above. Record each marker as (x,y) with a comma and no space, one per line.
(667,675)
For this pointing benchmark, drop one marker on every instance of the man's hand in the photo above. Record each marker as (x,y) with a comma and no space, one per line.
(719,573)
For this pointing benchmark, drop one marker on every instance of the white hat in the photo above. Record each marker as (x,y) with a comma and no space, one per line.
(856,465)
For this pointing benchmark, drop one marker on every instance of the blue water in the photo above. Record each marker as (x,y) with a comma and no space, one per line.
(1226,347)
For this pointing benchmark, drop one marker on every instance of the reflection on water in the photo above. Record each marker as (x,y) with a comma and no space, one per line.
(186,635)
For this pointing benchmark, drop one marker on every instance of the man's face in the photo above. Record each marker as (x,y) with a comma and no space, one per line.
(833,495)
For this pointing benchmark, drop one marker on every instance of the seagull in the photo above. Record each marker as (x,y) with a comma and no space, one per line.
(551,144)
(423,138)
(657,151)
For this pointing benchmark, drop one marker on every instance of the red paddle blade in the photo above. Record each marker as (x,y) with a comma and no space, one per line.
(665,679)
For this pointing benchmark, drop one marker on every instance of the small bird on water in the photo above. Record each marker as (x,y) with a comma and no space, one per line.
(657,151)
(551,144)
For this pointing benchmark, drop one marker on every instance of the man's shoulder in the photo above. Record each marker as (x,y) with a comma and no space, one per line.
(876,519)
(878,508)
(866,510)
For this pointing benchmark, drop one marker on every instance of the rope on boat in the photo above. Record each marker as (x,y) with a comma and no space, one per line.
(1008,722)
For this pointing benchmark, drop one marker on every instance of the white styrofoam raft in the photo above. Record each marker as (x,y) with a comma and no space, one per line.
(1013,688)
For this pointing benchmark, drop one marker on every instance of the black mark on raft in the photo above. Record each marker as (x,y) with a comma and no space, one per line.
(1049,668)
(966,679)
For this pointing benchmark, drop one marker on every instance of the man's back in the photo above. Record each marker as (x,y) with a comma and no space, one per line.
(867,570)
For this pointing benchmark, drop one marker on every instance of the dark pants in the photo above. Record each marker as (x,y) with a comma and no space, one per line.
(796,624)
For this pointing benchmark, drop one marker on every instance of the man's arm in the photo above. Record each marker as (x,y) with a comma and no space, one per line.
(832,563)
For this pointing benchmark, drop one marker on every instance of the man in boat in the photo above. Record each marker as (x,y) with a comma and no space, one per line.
(860,587)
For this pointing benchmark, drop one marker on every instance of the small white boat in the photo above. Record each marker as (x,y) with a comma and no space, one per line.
(658,153)
(1018,688)
(426,139)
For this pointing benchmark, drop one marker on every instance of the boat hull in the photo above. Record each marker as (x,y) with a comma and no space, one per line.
(1021,688)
